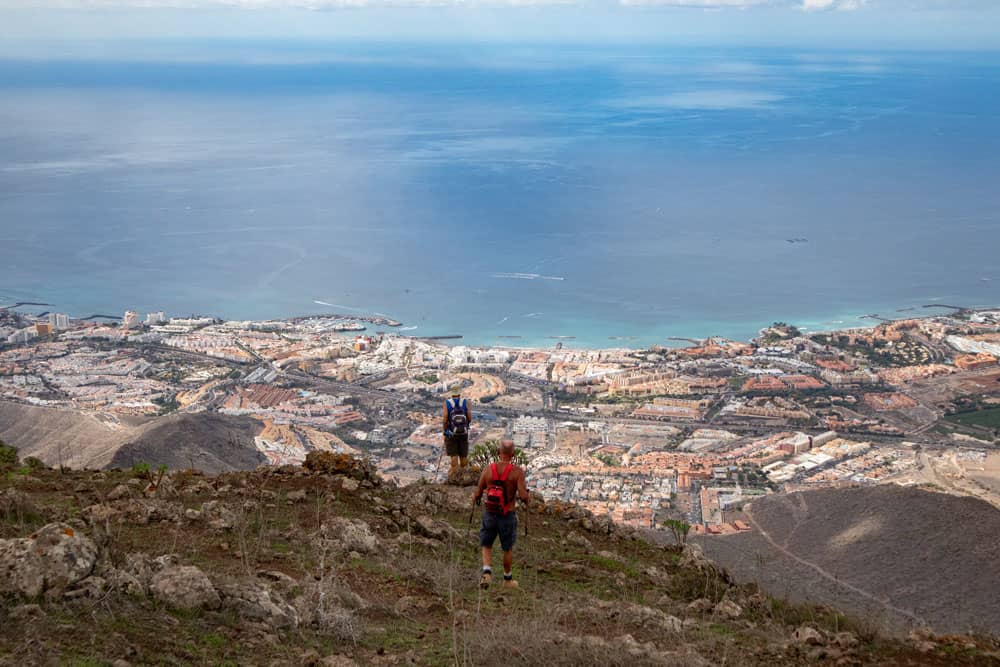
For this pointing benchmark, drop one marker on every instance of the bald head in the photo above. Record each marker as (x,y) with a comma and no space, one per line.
(506,450)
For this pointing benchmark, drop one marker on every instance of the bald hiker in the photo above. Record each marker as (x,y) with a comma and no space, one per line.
(457,421)
(503,483)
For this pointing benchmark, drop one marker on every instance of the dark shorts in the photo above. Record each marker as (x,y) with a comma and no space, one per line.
(457,445)
(498,524)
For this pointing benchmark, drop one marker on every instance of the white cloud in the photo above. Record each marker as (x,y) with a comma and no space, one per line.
(823,5)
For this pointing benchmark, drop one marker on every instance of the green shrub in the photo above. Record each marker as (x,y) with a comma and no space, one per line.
(8,455)
(34,463)
(488,452)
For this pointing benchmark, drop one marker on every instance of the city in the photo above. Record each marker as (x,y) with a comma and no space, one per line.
(639,436)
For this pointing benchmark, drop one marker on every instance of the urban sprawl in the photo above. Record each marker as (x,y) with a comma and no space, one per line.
(642,436)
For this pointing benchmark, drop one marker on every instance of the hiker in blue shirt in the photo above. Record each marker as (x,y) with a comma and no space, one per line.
(457,420)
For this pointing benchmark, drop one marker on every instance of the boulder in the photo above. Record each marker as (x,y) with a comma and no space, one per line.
(185,587)
(50,560)
(728,609)
(351,535)
(219,516)
(578,540)
(329,463)
(298,496)
(467,476)
(119,492)
(806,635)
(700,606)
(256,602)
(433,528)
(99,514)
(635,614)
(279,580)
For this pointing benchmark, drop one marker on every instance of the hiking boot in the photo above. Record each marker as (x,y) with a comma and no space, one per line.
(485,580)
(509,583)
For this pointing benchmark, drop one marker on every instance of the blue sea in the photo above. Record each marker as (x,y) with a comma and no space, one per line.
(617,194)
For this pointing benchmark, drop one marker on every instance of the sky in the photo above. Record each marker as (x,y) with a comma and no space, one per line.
(32,27)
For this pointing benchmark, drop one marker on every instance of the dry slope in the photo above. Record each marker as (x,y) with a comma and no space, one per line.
(906,556)
(208,441)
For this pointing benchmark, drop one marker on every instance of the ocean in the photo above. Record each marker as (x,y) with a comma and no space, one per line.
(618,195)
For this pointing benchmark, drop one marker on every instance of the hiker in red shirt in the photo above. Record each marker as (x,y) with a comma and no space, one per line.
(503,483)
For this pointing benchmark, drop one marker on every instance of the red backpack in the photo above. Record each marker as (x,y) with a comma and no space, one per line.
(496,494)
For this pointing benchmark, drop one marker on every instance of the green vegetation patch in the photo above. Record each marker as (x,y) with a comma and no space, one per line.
(989,418)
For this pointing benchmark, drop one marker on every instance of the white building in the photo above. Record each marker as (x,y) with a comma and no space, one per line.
(59,321)
(22,335)
(131,320)
(155,318)
(973,346)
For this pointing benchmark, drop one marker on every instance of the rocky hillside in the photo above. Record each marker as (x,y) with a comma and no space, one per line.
(902,557)
(328,565)
(208,441)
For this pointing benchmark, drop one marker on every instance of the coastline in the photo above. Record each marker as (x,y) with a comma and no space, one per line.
(582,333)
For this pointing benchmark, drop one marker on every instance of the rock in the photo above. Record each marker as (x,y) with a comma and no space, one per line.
(351,535)
(408,539)
(185,587)
(728,609)
(52,559)
(329,463)
(846,640)
(280,580)
(24,611)
(808,636)
(433,528)
(219,516)
(348,485)
(121,662)
(467,476)
(692,556)
(125,582)
(657,576)
(91,587)
(192,514)
(99,514)
(256,602)
(635,614)
(578,540)
(298,496)
(337,661)
(700,606)
(119,492)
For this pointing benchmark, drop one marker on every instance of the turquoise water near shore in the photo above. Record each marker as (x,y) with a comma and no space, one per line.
(534,192)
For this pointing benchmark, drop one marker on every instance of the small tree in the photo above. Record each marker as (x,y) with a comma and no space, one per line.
(679,529)
(8,455)
(488,452)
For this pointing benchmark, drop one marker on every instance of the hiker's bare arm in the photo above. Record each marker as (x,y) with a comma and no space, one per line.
(482,486)
(468,414)
(522,488)
(445,417)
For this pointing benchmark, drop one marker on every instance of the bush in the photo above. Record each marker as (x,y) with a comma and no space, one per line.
(8,455)
(488,452)
(34,463)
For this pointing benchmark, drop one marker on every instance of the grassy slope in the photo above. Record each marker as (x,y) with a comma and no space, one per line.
(449,621)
